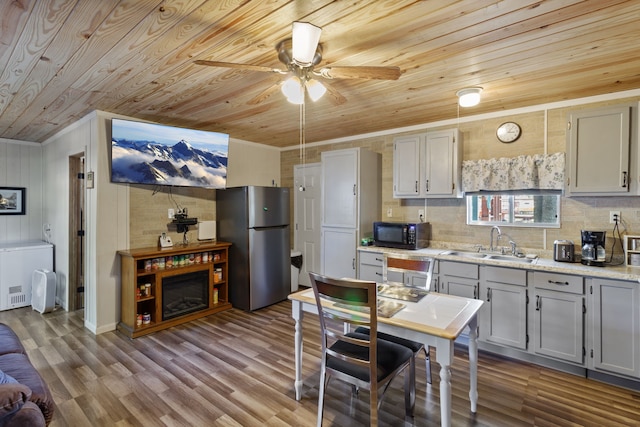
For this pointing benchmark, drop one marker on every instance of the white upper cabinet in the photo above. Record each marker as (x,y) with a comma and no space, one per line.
(351,201)
(598,152)
(340,171)
(427,165)
(406,165)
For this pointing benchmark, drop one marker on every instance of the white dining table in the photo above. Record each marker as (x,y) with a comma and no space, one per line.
(436,321)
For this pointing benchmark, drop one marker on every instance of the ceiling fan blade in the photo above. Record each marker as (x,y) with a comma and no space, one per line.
(249,67)
(264,94)
(364,72)
(334,96)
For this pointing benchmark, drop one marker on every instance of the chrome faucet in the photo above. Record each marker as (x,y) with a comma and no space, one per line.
(514,247)
(494,228)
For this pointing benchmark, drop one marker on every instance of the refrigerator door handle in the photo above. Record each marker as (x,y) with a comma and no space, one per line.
(270,227)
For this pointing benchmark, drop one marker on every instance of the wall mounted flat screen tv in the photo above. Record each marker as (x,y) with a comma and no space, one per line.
(150,153)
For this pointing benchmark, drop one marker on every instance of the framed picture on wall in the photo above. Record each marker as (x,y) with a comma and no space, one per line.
(12,200)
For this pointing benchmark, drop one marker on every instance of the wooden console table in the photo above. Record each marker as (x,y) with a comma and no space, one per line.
(148,266)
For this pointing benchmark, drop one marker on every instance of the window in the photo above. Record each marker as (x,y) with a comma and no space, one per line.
(517,210)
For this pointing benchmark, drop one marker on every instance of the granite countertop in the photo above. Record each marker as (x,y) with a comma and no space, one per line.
(540,263)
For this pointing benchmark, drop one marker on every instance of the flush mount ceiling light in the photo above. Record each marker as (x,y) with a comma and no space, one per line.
(469,97)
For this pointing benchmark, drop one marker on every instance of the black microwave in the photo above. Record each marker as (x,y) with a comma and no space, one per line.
(401,235)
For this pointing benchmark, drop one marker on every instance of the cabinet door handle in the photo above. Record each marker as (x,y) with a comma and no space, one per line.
(379,259)
(378,274)
(624,179)
(427,185)
(354,190)
(488,294)
(553,282)
(416,186)
(537,302)
(475,291)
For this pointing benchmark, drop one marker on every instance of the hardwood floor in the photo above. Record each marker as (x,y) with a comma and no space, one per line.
(236,369)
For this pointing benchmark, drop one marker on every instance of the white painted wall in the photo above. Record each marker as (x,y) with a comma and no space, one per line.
(21,166)
(107,218)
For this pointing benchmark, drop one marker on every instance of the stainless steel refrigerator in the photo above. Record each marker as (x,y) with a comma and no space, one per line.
(256,221)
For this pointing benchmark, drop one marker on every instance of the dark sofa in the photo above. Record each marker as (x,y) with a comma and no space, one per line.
(29,401)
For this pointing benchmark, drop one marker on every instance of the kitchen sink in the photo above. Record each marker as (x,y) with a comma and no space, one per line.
(493,257)
(509,258)
(465,254)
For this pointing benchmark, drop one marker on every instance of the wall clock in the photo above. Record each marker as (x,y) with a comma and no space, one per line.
(508,132)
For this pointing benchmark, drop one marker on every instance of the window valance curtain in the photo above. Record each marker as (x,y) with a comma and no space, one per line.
(537,172)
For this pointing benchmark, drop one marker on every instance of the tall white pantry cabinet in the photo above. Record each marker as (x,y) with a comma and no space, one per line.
(351,202)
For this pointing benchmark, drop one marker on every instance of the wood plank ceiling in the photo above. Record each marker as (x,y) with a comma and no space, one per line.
(61,59)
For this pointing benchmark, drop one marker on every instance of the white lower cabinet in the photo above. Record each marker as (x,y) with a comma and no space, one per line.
(503,318)
(339,252)
(415,280)
(458,278)
(370,266)
(614,326)
(578,321)
(557,326)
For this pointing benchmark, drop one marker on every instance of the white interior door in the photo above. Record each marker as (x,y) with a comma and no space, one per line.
(307,218)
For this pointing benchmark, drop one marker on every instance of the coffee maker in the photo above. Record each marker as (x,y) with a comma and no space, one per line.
(593,252)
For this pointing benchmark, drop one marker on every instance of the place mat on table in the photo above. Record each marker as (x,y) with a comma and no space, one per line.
(404,293)
(385,308)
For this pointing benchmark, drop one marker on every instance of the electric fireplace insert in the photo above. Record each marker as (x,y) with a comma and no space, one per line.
(184,293)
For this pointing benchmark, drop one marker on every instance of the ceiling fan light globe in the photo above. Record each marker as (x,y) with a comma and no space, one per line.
(305,41)
(315,89)
(469,97)
(293,90)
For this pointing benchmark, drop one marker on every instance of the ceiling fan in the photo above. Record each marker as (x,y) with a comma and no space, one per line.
(301,54)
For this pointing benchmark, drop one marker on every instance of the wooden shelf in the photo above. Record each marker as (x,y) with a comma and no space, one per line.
(148,266)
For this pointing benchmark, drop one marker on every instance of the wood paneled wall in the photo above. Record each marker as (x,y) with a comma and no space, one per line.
(21,166)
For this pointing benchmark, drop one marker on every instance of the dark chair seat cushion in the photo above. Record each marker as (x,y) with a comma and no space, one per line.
(413,345)
(390,357)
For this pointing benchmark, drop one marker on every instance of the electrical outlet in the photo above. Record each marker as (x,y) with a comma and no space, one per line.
(171,214)
(389,212)
(613,215)
(421,213)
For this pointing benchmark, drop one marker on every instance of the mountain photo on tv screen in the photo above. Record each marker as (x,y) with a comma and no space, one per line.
(154,154)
